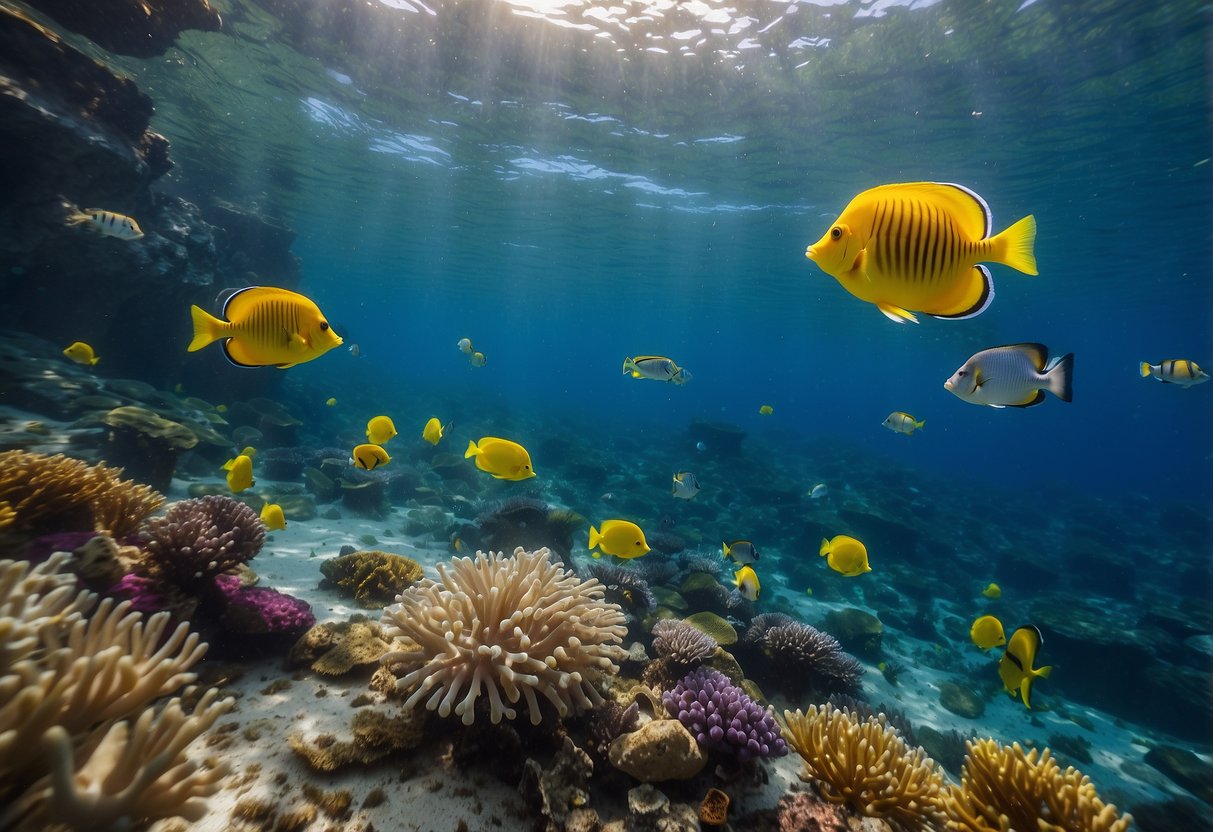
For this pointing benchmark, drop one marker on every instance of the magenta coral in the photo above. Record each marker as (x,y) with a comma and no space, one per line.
(254,610)
(721,716)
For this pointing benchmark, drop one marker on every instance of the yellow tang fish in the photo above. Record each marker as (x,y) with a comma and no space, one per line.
(502,458)
(766,410)
(380,429)
(746,581)
(331,401)
(987,632)
(240,474)
(369,457)
(1017,667)
(1016,375)
(272,517)
(266,326)
(901,422)
(916,246)
(1179,371)
(434,431)
(108,223)
(619,538)
(82,353)
(846,555)
(992,591)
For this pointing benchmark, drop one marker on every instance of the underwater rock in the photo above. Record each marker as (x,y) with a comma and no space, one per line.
(1171,815)
(946,748)
(1184,768)
(859,632)
(145,445)
(555,791)
(334,648)
(961,700)
(139,28)
(364,494)
(251,241)
(717,437)
(659,750)
(887,538)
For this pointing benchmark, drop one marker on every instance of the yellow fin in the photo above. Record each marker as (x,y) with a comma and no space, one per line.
(976,296)
(968,210)
(1014,246)
(595,538)
(896,314)
(206,328)
(1145,370)
(471,451)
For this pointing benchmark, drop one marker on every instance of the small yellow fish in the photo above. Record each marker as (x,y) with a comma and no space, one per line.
(987,632)
(502,458)
(221,408)
(272,517)
(465,346)
(434,431)
(178,388)
(619,538)
(108,223)
(916,246)
(992,591)
(1017,667)
(477,359)
(457,543)
(240,475)
(766,410)
(247,450)
(265,326)
(368,457)
(746,581)
(846,555)
(82,353)
(330,401)
(380,429)
(900,422)
(1179,371)
(808,590)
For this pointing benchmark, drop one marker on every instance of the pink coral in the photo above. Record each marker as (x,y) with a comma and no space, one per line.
(253,610)
(801,812)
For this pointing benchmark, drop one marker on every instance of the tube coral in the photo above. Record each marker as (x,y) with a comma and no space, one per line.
(519,625)
(1003,787)
(864,763)
(721,716)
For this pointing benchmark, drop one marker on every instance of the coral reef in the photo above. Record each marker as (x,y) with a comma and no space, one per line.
(662,749)
(813,657)
(721,716)
(557,791)
(527,523)
(145,445)
(374,734)
(59,494)
(80,743)
(516,625)
(611,720)
(862,762)
(624,585)
(1004,787)
(681,642)
(374,578)
(259,611)
(335,648)
(199,539)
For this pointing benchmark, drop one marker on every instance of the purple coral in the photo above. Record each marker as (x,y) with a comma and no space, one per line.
(681,642)
(254,610)
(200,538)
(625,584)
(813,654)
(722,717)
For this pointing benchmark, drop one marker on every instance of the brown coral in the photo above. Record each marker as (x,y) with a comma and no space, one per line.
(866,764)
(1005,788)
(198,539)
(374,578)
(714,809)
(336,648)
(518,625)
(58,493)
(375,735)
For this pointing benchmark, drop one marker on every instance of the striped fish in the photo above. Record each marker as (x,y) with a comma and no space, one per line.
(656,367)
(107,223)
(266,326)
(1179,371)
(917,246)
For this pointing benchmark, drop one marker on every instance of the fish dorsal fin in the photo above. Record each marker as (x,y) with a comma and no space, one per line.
(1038,353)
(966,208)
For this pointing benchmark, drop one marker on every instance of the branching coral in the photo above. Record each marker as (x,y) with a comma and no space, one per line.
(516,625)
(681,642)
(80,747)
(625,584)
(864,763)
(1005,788)
(198,539)
(58,493)
(374,578)
(814,656)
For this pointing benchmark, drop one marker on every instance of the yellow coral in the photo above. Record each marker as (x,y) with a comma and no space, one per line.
(1004,789)
(7,516)
(58,493)
(375,578)
(865,763)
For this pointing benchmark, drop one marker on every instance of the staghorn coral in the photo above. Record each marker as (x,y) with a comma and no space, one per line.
(815,657)
(58,493)
(374,578)
(681,642)
(624,584)
(721,716)
(199,539)
(1005,788)
(864,763)
(80,745)
(519,625)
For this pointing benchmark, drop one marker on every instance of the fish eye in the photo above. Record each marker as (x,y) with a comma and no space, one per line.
(960,374)
(324,326)
(835,233)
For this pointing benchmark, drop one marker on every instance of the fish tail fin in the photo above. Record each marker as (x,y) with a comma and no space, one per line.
(920,424)
(1059,377)
(595,537)
(629,366)
(207,328)
(1145,370)
(724,550)
(78,218)
(92,362)
(1044,671)
(471,451)
(1014,247)
(825,547)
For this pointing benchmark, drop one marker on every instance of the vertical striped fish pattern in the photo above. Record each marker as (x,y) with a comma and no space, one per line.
(917,247)
(1179,371)
(266,326)
(108,223)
